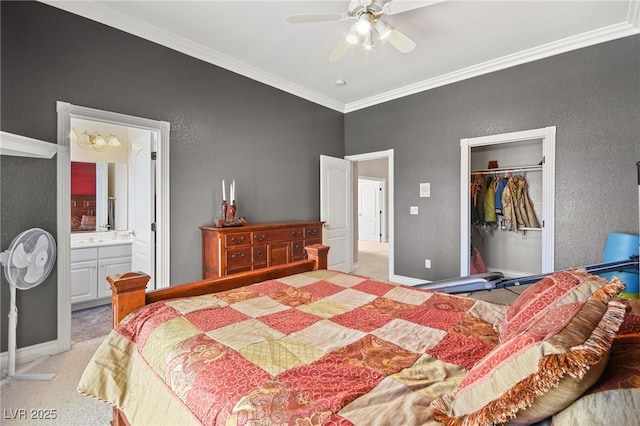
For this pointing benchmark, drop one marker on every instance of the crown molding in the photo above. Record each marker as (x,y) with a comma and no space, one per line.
(99,13)
(540,52)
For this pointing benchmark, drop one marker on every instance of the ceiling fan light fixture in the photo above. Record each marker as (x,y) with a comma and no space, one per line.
(364,23)
(352,35)
(367,42)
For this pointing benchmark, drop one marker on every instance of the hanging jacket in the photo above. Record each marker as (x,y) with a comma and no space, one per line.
(500,183)
(521,212)
(508,210)
(490,203)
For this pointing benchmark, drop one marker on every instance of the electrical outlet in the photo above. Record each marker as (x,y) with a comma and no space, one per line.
(427,263)
(413,210)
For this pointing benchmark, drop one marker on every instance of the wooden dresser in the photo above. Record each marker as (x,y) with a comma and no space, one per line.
(227,251)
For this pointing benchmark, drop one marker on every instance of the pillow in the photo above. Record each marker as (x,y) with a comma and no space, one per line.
(554,290)
(540,370)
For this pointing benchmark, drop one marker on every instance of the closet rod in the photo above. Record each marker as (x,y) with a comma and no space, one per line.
(506,170)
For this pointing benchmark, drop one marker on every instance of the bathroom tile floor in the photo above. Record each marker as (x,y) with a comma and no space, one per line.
(89,323)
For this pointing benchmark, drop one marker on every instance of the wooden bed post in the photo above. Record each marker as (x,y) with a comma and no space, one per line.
(127,293)
(318,253)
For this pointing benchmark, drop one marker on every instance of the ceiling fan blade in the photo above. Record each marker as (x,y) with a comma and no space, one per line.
(339,51)
(400,41)
(398,6)
(318,17)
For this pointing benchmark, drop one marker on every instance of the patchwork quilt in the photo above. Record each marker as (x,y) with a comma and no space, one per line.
(316,348)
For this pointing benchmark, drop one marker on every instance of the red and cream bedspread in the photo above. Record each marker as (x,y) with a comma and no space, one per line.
(315,348)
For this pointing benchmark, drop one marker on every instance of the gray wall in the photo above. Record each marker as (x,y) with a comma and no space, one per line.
(222,126)
(593,97)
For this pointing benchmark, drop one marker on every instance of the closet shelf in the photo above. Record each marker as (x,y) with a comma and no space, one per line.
(506,170)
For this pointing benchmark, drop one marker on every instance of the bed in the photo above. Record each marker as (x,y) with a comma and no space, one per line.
(302,345)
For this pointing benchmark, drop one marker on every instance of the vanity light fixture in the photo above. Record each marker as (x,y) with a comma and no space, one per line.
(94,140)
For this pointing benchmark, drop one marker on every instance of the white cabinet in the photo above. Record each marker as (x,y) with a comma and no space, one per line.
(90,267)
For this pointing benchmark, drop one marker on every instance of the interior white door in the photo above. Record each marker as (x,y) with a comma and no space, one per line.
(142,205)
(336,211)
(369,211)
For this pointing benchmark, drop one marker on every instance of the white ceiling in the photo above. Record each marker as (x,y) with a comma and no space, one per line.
(455,40)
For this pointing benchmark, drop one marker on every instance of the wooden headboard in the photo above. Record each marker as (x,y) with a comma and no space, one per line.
(82,205)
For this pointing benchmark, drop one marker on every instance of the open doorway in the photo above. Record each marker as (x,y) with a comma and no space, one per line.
(373,217)
(372,225)
(153,225)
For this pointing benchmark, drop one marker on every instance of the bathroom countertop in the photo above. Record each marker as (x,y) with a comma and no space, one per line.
(97,243)
(99,239)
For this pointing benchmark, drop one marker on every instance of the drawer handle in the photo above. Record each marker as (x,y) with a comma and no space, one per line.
(297,247)
(296,233)
(234,255)
(260,238)
(313,231)
(239,240)
(259,255)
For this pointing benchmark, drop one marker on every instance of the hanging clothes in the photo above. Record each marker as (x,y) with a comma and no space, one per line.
(517,207)
(490,202)
(500,183)
(476,189)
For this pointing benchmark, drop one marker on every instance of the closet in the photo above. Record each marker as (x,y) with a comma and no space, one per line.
(507,199)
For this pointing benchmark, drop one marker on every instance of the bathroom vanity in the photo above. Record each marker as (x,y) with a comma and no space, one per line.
(94,256)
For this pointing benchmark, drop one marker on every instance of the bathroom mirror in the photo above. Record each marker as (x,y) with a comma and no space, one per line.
(98,196)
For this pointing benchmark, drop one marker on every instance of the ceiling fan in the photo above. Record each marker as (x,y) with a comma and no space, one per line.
(368,24)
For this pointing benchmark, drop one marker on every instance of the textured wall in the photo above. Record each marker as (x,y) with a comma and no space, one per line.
(222,126)
(592,95)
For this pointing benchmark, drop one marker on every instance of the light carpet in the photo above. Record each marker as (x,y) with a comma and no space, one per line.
(23,401)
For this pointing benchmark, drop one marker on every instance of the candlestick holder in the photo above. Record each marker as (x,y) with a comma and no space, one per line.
(225,206)
(229,218)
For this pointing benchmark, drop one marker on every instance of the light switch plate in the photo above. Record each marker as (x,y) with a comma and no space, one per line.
(413,210)
(425,189)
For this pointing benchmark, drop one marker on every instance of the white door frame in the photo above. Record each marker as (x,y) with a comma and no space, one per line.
(388,154)
(66,112)
(548,136)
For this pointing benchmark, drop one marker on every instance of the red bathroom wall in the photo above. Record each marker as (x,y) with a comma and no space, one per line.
(83,178)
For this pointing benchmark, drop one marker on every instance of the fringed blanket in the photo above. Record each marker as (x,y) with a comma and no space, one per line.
(316,348)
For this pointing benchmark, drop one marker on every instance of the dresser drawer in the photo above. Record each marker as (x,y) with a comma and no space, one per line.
(259,256)
(277,235)
(297,250)
(238,239)
(238,257)
(311,232)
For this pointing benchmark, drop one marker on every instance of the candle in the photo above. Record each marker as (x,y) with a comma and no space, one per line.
(233,190)
(224,194)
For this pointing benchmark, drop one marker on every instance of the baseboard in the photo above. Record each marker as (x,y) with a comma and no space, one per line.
(400,279)
(30,353)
